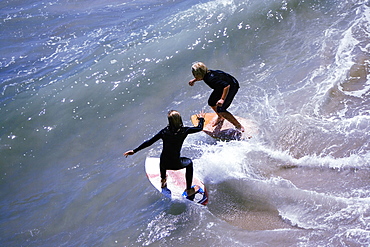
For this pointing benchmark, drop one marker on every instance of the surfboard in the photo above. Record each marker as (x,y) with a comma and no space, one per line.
(176,182)
(226,131)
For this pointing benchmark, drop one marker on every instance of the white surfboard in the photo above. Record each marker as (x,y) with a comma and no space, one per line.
(176,183)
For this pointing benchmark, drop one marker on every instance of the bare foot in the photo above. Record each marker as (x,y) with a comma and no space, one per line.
(240,128)
(192,190)
(218,121)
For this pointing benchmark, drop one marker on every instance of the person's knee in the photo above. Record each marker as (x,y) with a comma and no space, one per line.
(222,112)
(186,162)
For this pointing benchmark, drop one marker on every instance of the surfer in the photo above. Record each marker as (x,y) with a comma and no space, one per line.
(224,86)
(173,137)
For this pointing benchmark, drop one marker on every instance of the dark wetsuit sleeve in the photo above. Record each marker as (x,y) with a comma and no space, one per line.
(191,130)
(149,142)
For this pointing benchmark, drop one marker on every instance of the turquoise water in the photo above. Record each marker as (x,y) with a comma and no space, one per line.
(84,81)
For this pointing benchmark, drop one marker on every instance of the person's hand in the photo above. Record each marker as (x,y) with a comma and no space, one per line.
(220,102)
(131,152)
(191,82)
(201,114)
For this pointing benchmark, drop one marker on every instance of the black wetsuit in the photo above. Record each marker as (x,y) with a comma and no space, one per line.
(172,143)
(218,80)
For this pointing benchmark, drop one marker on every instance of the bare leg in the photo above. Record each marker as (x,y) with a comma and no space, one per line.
(229,117)
(220,118)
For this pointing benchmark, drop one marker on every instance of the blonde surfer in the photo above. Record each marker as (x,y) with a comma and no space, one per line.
(224,86)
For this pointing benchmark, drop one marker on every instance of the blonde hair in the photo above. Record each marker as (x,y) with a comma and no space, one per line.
(199,70)
(174,120)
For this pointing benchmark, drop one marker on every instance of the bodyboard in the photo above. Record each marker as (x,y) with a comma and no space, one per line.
(226,131)
(176,182)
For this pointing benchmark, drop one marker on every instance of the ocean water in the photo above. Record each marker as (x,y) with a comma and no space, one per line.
(81,82)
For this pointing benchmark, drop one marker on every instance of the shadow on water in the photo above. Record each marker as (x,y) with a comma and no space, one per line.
(244,209)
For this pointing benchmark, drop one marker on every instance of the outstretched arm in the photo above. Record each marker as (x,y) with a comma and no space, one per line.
(144,144)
